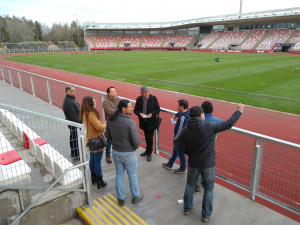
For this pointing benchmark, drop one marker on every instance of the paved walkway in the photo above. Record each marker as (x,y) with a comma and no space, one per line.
(229,207)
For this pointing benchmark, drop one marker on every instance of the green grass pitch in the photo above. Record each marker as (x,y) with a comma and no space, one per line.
(259,80)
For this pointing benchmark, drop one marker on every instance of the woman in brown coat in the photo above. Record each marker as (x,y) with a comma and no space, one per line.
(91,118)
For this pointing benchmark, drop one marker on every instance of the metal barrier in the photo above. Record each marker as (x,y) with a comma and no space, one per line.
(41,50)
(264,166)
(35,154)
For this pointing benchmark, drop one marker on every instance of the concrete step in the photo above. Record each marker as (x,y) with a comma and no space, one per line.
(106,210)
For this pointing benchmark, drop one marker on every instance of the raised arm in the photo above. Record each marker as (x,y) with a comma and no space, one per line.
(226,125)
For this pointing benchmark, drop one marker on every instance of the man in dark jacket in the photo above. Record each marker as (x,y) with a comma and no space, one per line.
(71,111)
(182,116)
(197,140)
(147,109)
(208,110)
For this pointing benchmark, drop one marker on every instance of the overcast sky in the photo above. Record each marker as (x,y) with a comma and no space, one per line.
(49,11)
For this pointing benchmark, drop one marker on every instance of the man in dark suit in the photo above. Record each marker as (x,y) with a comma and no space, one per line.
(147,109)
(71,110)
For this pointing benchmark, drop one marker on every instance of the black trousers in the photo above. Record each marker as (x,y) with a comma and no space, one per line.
(74,141)
(149,138)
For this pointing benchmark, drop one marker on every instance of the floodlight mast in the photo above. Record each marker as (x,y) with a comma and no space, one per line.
(241,6)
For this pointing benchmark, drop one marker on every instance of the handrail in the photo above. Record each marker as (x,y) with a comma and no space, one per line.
(35,114)
(45,192)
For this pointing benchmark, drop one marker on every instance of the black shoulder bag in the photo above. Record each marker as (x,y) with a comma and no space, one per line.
(95,144)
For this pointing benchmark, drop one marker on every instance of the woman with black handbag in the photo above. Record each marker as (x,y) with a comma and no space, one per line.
(95,139)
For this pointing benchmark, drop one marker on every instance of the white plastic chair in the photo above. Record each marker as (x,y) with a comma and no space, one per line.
(50,158)
(60,166)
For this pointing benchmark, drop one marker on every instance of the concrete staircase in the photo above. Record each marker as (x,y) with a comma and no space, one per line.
(214,41)
(164,41)
(106,210)
(289,38)
(192,41)
(141,41)
(1,47)
(118,42)
(75,46)
(262,39)
(93,42)
(245,39)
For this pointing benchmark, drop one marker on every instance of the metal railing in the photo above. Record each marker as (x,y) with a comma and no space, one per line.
(41,161)
(48,189)
(264,166)
(41,50)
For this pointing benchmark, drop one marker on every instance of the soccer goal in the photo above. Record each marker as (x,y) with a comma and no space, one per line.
(294,69)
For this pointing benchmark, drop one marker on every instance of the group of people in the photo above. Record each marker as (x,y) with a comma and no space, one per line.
(195,133)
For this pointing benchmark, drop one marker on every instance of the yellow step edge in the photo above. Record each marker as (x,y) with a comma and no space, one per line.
(84,216)
(120,209)
(93,215)
(114,212)
(128,210)
(107,213)
(102,216)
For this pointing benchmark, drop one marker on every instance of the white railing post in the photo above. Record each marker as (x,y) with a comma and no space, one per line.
(256,166)
(157,141)
(103,112)
(85,170)
(2,74)
(20,80)
(32,85)
(49,93)
(10,78)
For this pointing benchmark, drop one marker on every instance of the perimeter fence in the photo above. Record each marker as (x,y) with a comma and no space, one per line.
(41,50)
(263,166)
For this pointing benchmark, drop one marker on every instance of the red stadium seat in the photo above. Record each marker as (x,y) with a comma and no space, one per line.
(9,157)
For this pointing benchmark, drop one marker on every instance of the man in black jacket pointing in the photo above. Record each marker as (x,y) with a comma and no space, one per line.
(197,140)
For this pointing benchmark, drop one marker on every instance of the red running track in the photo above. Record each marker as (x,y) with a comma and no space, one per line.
(280,167)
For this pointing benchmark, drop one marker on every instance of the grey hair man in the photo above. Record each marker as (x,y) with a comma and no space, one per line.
(147,109)
(71,110)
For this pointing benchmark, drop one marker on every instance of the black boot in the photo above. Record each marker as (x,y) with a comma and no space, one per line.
(100,182)
(93,178)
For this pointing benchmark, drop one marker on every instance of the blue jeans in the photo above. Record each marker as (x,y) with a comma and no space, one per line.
(95,163)
(176,152)
(125,160)
(208,176)
(108,146)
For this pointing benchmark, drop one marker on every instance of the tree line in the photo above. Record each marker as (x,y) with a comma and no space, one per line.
(14,29)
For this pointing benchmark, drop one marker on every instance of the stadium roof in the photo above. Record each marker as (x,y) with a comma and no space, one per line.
(289,14)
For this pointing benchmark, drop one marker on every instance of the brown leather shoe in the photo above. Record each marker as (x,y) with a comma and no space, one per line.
(108,158)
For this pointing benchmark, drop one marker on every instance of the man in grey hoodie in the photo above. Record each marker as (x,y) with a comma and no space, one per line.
(122,132)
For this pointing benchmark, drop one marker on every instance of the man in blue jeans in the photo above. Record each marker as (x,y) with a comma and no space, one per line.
(208,109)
(197,140)
(182,116)
(123,134)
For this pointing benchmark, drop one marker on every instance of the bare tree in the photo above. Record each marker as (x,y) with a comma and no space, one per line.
(20,30)
(45,30)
